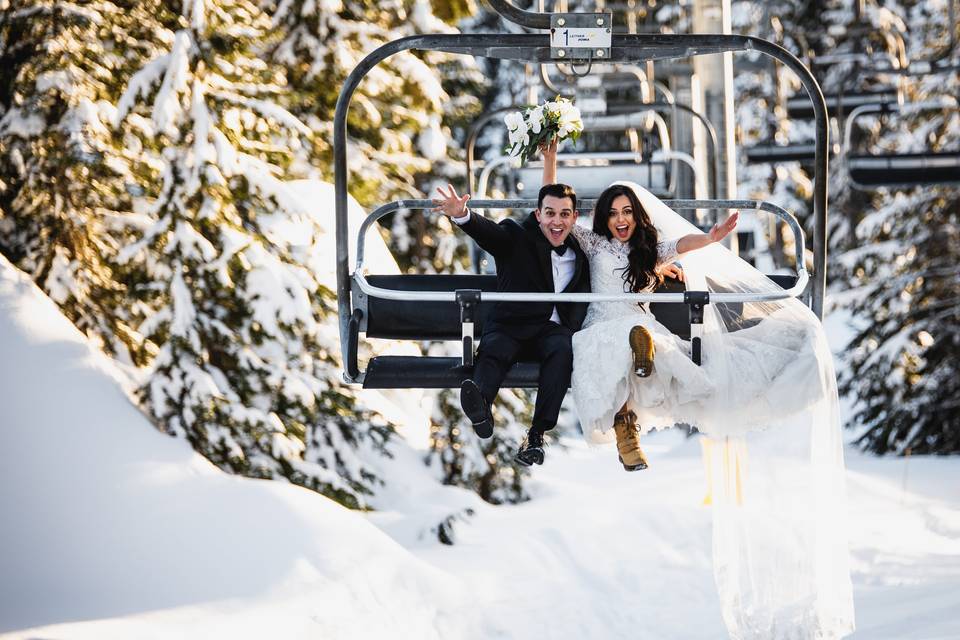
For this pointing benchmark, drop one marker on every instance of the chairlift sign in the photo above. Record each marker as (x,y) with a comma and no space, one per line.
(581,36)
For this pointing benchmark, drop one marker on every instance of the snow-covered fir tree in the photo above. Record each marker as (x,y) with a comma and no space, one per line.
(900,274)
(484,466)
(394,124)
(234,312)
(762,86)
(61,188)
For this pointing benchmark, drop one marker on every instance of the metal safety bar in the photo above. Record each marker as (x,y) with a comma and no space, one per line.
(631,48)
(679,205)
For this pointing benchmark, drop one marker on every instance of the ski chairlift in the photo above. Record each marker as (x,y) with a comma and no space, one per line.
(869,171)
(424,307)
(649,170)
(894,63)
(899,64)
(592,172)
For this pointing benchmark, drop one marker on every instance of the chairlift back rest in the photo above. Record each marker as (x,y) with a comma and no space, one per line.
(418,320)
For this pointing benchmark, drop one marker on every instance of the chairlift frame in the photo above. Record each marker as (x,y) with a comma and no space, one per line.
(893,162)
(626,48)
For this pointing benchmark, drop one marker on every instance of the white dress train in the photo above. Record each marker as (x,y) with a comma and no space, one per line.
(766,397)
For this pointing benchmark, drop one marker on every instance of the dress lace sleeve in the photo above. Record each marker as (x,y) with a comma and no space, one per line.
(667,251)
(589,241)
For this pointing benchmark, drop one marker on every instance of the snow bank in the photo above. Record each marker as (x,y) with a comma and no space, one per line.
(105,517)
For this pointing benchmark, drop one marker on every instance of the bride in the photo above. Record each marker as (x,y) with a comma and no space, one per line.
(766,389)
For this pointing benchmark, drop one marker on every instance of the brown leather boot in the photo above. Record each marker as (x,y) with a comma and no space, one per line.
(641,343)
(628,441)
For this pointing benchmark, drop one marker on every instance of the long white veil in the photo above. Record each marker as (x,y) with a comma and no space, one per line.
(774,459)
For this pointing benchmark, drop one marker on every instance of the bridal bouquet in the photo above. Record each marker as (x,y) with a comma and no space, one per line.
(535,126)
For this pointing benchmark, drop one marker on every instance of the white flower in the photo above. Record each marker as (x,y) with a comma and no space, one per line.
(569,120)
(535,119)
(516,126)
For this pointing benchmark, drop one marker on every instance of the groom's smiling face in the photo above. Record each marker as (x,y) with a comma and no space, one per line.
(556,217)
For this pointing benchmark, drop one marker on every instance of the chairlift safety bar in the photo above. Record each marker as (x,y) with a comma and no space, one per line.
(440,296)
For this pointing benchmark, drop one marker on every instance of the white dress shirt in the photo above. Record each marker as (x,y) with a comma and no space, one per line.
(563,267)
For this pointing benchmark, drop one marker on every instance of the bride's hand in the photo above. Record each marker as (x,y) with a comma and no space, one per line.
(671,270)
(721,229)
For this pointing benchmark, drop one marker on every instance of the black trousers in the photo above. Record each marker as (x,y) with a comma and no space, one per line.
(551,345)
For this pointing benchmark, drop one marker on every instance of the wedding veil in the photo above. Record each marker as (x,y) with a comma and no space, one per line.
(774,459)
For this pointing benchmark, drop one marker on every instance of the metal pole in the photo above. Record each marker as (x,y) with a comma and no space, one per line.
(524,18)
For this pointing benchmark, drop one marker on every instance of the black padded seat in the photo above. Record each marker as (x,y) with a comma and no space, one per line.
(412,372)
(773,153)
(408,320)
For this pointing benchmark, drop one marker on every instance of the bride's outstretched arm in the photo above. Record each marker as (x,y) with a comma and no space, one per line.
(719,231)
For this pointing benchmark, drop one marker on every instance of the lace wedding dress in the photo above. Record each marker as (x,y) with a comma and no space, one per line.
(765,398)
(756,372)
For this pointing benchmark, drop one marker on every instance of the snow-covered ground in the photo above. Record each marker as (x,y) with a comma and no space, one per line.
(112,530)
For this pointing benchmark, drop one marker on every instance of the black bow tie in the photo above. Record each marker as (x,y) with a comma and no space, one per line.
(562,249)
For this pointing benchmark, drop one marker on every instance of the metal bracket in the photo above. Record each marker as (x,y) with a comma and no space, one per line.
(469,300)
(696,301)
(352,368)
(581,36)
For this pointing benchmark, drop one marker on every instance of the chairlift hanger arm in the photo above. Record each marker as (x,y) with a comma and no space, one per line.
(532,19)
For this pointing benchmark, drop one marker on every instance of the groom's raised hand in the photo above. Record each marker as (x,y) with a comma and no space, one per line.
(451,205)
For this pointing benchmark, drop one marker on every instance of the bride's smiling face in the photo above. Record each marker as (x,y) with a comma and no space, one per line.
(621,221)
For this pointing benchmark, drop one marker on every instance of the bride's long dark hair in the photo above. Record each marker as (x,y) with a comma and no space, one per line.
(641,269)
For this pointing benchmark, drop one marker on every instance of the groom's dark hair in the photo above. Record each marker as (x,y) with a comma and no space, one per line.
(557,191)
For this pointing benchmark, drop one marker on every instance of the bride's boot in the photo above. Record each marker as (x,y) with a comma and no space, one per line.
(641,343)
(628,441)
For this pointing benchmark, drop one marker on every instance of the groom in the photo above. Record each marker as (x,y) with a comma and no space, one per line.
(537,255)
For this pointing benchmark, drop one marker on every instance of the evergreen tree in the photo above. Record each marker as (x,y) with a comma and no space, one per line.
(900,276)
(485,466)
(235,311)
(62,192)
(398,104)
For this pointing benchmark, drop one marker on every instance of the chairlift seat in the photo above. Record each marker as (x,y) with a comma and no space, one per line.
(905,169)
(419,320)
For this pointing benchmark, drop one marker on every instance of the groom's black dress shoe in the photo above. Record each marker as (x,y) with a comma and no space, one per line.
(475,408)
(531,449)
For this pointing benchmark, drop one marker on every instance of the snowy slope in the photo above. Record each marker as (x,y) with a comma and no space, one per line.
(112,530)
(104,517)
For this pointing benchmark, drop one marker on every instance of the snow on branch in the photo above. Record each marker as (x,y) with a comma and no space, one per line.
(267,109)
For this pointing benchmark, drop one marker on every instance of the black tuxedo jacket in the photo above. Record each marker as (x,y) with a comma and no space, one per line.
(522,255)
